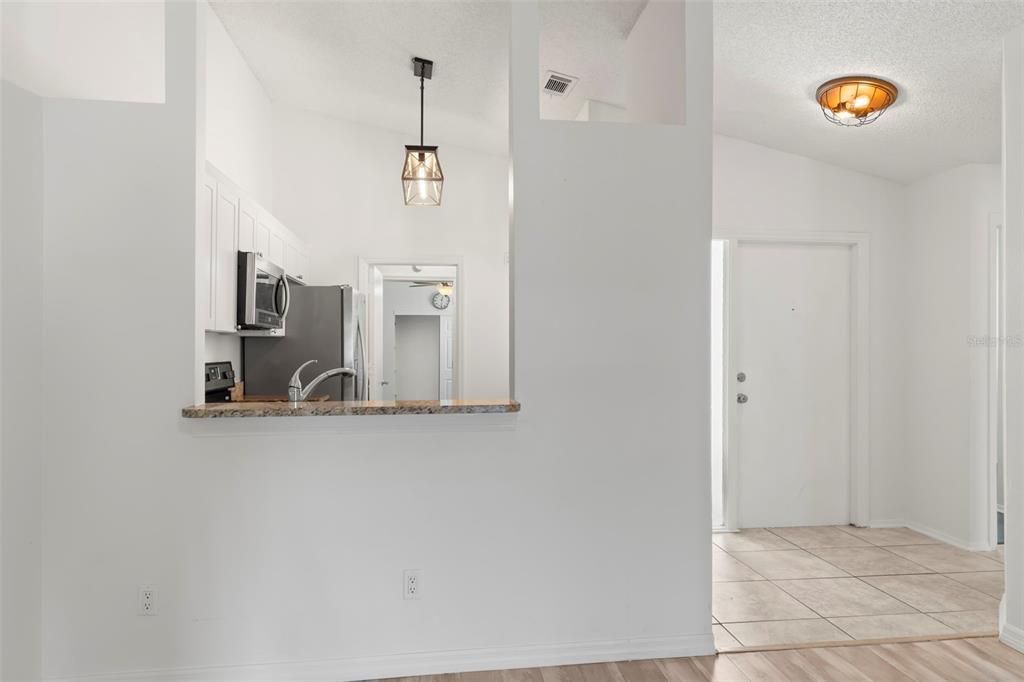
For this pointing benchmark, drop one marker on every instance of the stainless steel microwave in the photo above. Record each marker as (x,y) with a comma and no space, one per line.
(263,294)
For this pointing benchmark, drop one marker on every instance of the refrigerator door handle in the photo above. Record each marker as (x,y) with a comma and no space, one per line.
(363,387)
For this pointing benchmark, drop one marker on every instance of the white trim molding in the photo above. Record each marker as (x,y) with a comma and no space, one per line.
(366,269)
(860,367)
(430,663)
(1011,635)
(932,533)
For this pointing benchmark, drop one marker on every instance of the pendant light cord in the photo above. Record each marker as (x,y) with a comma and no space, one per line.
(421,111)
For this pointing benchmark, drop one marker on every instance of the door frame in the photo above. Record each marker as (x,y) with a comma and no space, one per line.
(996,372)
(860,292)
(368,268)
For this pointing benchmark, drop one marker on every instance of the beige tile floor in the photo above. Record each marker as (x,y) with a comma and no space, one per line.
(828,583)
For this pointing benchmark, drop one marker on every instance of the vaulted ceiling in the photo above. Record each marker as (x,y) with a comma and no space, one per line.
(351,59)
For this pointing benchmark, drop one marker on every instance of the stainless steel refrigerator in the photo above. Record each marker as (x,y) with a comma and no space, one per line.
(324,323)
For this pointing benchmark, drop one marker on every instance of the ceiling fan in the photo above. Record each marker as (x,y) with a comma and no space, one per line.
(443,286)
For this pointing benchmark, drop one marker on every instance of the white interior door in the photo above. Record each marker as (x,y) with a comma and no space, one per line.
(790,328)
(446,362)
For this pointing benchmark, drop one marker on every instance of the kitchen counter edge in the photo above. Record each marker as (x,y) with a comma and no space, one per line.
(347,408)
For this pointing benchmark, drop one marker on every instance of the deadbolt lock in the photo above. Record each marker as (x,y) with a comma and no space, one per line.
(741,377)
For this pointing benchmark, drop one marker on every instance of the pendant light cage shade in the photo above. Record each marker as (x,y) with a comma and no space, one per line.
(422,178)
(855,100)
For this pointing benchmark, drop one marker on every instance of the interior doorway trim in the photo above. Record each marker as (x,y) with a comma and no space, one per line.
(860,288)
(368,270)
(997,343)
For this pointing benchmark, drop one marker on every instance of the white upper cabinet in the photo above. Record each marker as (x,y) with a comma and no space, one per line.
(229,222)
(205,250)
(247,211)
(275,252)
(226,259)
(262,238)
(296,261)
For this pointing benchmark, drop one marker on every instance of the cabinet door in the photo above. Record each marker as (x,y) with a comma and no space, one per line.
(292,264)
(275,252)
(262,239)
(226,256)
(205,249)
(246,225)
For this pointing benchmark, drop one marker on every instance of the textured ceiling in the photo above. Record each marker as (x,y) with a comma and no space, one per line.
(944,56)
(352,59)
(586,39)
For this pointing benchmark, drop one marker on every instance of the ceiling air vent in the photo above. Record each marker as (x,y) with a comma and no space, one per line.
(558,84)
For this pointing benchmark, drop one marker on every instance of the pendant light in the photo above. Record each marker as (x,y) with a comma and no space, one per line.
(422,179)
(855,100)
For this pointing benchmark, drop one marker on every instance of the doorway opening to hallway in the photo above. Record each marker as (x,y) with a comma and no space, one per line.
(793,562)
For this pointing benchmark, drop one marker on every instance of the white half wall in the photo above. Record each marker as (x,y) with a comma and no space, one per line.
(277,548)
(338,185)
(757,189)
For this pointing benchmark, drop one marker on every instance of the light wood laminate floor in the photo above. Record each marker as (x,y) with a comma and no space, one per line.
(818,584)
(956,660)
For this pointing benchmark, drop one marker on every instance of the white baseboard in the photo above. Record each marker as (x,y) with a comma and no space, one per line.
(930,532)
(1012,636)
(886,524)
(427,663)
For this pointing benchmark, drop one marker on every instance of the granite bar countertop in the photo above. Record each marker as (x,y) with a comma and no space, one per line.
(339,408)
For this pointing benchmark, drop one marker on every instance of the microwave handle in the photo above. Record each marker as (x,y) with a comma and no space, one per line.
(287,296)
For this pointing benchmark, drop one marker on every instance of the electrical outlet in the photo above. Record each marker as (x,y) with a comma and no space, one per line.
(147,601)
(412,584)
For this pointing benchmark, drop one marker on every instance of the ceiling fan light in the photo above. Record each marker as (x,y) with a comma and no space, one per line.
(422,177)
(445,288)
(855,100)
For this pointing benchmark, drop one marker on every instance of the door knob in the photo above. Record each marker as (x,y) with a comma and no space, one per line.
(742,398)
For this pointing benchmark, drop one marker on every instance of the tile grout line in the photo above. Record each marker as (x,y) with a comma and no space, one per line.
(845,575)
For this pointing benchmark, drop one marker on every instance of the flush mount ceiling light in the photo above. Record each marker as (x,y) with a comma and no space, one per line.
(855,100)
(422,179)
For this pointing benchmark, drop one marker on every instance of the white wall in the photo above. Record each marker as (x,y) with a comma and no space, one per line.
(86,50)
(337,184)
(417,355)
(1011,616)
(22,390)
(946,375)
(655,65)
(239,119)
(760,189)
(120,478)
(277,548)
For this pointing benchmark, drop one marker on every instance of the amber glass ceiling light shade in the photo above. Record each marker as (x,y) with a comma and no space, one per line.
(422,178)
(855,100)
